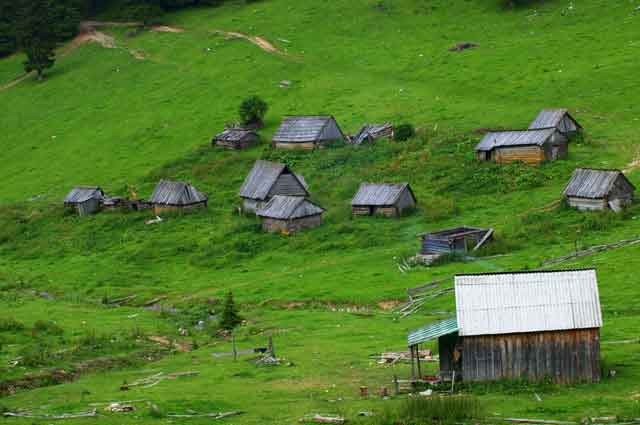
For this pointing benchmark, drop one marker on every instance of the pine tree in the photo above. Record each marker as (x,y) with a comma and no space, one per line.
(230,316)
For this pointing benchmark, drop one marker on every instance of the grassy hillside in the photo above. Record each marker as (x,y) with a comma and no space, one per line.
(107,117)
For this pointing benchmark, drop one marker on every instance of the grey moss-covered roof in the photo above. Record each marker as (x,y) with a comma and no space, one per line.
(379,194)
(176,193)
(289,207)
(262,177)
(82,194)
(236,135)
(311,128)
(550,118)
(498,139)
(592,183)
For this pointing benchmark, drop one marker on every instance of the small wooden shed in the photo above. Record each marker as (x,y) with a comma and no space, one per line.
(176,196)
(529,146)
(525,325)
(372,132)
(592,189)
(84,200)
(236,138)
(458,240)
(267,179)
(560,119)
(289,214)
(307,132)
(387,199)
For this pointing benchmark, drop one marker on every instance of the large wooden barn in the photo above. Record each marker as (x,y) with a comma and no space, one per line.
(530,146)
(527,325)
(268,179)
(289,214)
(387,199)
(84,200)
(176,196)
(307,132)
(236,138)
(591,189)
(560,119)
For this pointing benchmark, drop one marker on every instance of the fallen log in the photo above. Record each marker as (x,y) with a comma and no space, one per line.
(218,415)
(88,414)
(324,419)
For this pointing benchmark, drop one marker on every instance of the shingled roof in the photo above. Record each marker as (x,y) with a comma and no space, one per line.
(262,177)
(498,139)
(235,135)
(301,129)
(592,183)
(82,194)
(289,207)
(551,118)
(176,193)
(379,194)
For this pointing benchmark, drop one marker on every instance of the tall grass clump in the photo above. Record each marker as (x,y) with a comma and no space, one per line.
(435,410)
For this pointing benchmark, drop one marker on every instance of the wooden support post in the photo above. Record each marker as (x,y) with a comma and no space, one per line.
(396,384)
(235,350)
(270,347)
(453,380)
(413,365)
(418,361)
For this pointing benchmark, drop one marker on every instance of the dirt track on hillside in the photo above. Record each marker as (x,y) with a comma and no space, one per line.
(258,41)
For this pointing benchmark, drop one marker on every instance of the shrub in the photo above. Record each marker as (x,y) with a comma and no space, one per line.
(252,111)
(11,325)
(230,316)
(47,327)
(441,410)
(403,132)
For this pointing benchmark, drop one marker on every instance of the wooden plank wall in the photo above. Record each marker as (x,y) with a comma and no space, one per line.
(563,356)
(526,154)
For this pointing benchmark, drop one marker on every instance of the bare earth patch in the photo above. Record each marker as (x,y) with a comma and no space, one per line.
(389,305)
(258,41)
(166,28)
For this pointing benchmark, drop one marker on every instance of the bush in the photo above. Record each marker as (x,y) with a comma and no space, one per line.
(11,325)
(252,111)
(230,317)
(47,327)
(403,132)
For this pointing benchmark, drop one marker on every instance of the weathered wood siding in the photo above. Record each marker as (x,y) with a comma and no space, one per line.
(587,204)
(622,191)
(160,208)
(243,144)
(405,201)
(386,211)
(300,146)
(567,126)
(251,205)
(288,185)
(448,357)
(273,225)
(88,207)
(563,356)
(526,154)
(361,210)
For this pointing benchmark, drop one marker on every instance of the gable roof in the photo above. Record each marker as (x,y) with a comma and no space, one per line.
(380,194)
(551,118)
(288,207)
(592,183)
(309,128)
(235,135)
(263,176)
(81,194)
(176,193)
(496,139)
(433,331)
(503,303)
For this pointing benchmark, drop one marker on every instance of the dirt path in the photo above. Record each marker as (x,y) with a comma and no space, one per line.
(633,165)
(16,81)
(258,41)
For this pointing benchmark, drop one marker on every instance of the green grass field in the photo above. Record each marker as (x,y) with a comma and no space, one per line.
(108,118)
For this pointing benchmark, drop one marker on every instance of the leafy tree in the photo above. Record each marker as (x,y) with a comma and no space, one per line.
(230,316)
(7,27)
(40,26)
(252,111)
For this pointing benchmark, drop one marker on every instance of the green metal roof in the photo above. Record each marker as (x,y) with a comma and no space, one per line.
(433,331)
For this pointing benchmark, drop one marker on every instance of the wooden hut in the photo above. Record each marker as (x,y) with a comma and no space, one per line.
(289,214)
(560,119)
(84,200)
(268,179)
(387,199)
(591,189)
(526,325)
(176,196)
(307,132)
(459,240)
(236,138)
(372,132)
(530,146)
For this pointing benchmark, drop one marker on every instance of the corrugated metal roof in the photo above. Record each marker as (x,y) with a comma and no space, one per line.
(433,331)
(503,303)
(300,129)
(379,194)
(262,177)
(497,139)
(176,193)
(83,193)
(550,118)
(591,183)
(289,207)
(236,135)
